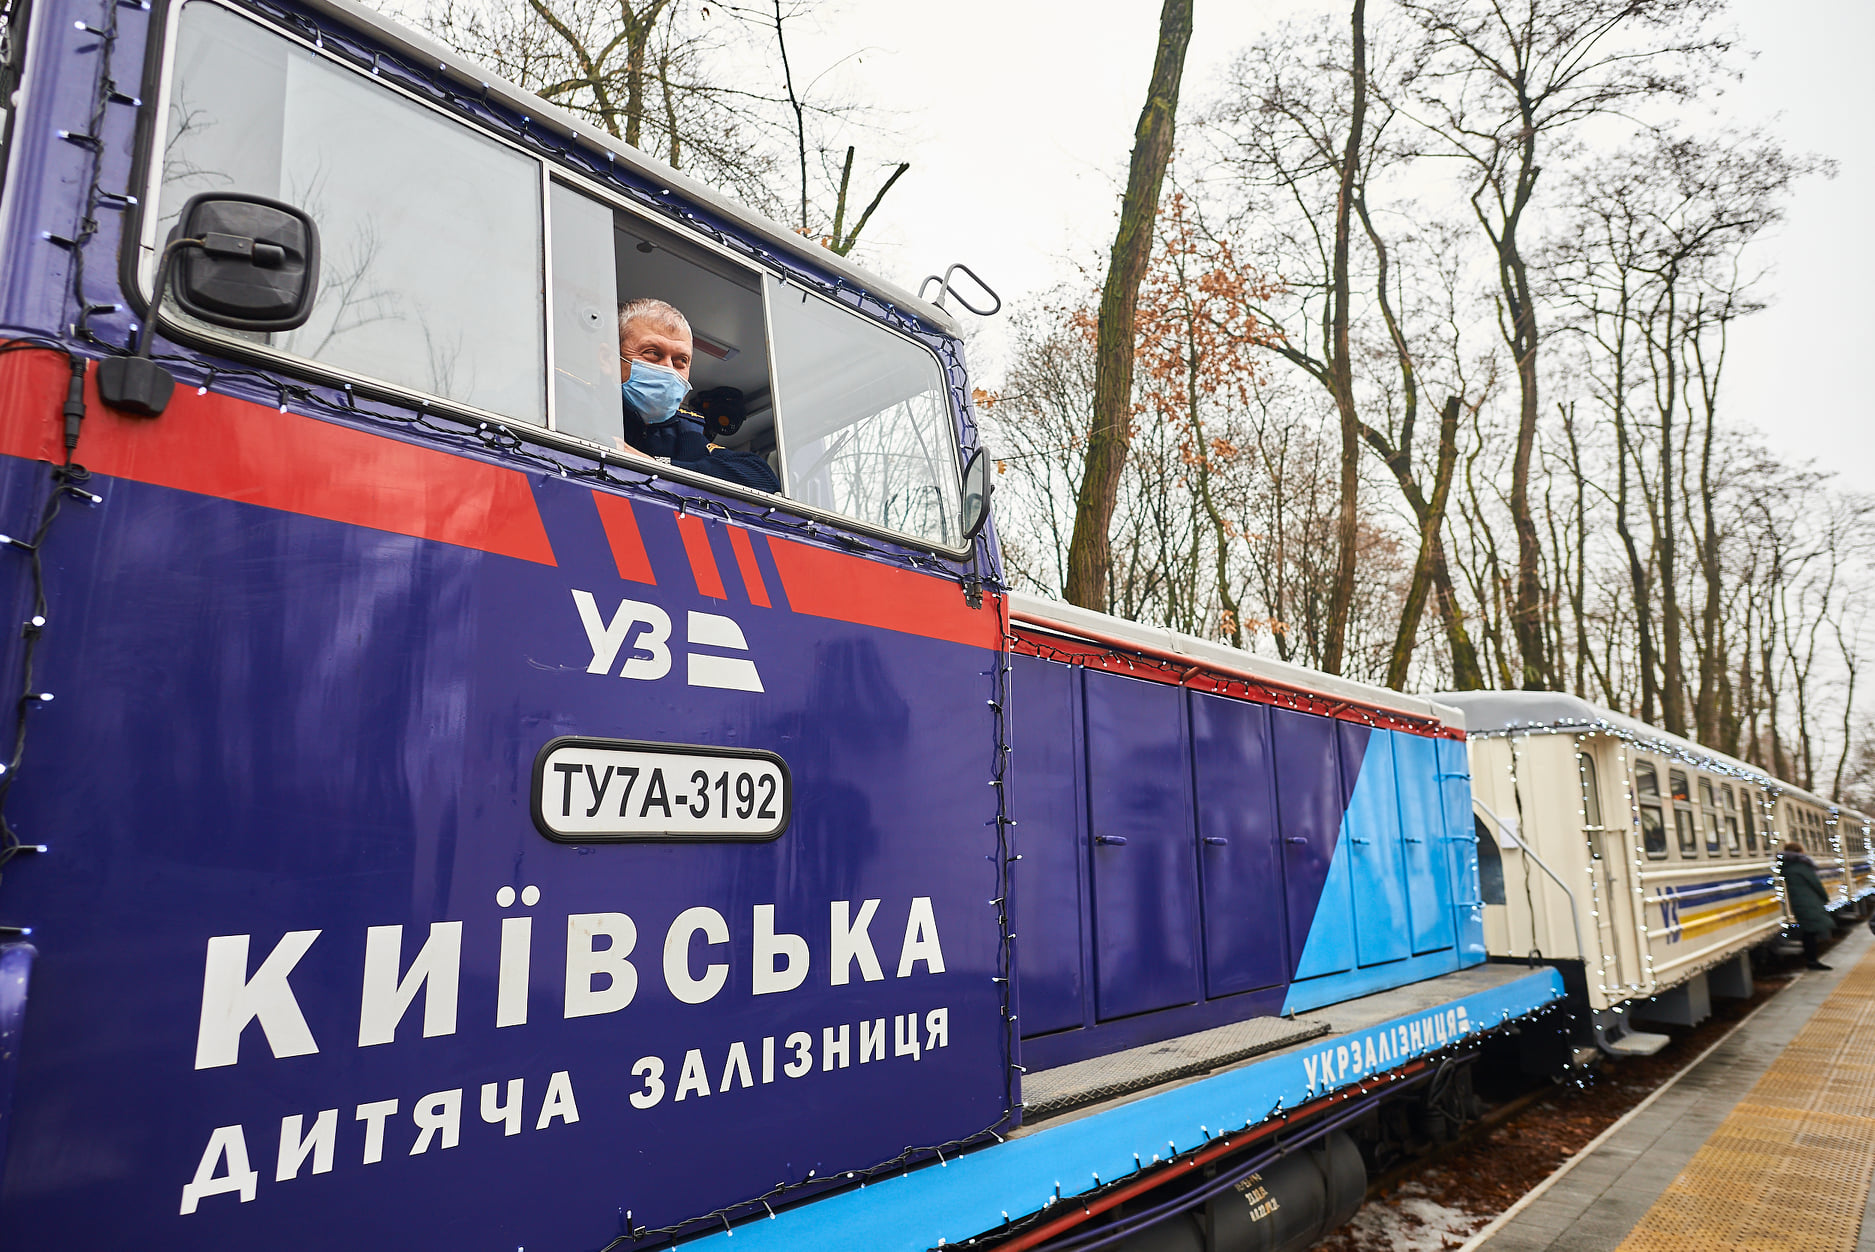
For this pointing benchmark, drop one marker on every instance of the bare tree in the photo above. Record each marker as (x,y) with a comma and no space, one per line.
(1089,552)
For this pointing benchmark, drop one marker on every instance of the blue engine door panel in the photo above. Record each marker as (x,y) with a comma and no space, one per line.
(1049,890)
(1377,876)
(1309,800)
(1422,839)
(1145,870)
(1461,848)
(1239,850)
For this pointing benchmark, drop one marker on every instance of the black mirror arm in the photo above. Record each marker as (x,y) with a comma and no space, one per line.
(163,267)
(135,383)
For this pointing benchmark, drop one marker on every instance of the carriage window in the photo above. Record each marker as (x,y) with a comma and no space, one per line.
(1709,810)
(1684,826)
(1751,827)
(414,291)
(866,423)
(1591,794)
(1731,821)
(1653,827)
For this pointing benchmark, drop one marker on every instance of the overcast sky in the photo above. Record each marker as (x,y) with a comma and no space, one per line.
(1017,117)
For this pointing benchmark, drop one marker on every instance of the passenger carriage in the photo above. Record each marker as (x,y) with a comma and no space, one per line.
(429,822)
(1643,860)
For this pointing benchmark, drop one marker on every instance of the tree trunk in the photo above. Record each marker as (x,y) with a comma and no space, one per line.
(1089,555)
(1340,358)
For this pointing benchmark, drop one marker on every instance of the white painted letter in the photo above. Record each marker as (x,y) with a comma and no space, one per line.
(832,1045)
(585,962)
(517,945)
(937,1024)
(851,942)
(438,1113)
(768,946)
(510,1113)
(224,1143)
(373,1115)
(871,1040)
(921,939)
(693,1078)
(559,1101)
(435,971)
(651,1069)
(230,1000)
(738,1065)
(294,1150)
(677,955)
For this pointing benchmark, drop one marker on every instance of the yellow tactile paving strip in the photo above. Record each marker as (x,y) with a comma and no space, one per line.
(1790,1167)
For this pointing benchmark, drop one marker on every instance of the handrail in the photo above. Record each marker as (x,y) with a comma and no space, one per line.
(1575,916)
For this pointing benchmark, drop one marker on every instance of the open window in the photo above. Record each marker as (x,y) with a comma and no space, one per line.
(604,258)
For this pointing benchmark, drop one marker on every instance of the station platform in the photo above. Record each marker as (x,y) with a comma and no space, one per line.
(1767,1141)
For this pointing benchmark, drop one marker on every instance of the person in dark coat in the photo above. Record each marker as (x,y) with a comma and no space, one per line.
(1808,901)
(655,345)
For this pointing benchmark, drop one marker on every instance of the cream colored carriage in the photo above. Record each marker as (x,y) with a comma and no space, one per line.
(1644,857)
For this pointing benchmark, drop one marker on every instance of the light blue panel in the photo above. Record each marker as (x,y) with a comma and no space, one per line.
(1302,997)
(1422,840)
(1371,832)
(1461,844)
(976,1192)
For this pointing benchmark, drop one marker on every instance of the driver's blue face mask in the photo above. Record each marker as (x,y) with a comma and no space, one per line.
(654,392)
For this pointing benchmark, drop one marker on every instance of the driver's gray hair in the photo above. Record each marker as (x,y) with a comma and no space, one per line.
(658,312)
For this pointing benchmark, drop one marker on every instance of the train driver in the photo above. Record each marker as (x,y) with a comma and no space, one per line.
(654,347)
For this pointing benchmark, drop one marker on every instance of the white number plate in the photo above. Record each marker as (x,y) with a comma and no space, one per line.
(605,790)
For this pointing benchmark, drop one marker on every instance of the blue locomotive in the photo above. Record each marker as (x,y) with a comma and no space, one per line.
(432,821)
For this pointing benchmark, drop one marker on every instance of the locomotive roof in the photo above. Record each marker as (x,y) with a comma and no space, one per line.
(1071,619)
(451,64)
(1556,712)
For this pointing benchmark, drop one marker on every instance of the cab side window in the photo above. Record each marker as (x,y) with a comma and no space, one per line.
(414,291)
(865,421)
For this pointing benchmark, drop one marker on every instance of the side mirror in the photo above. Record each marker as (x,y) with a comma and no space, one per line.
(240,261)
(977,487)
(255,267)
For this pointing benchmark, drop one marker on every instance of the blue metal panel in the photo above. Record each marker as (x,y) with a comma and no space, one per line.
(1309,803)
(1461,846)
(1049,891)
(1422,837)
(1145,866)
(980,1191)
(1239,849)
(1373,835)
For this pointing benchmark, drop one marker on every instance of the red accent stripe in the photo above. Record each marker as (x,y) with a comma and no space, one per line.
(702,560)
(215,445)
(745,561)
(621,531)
(852,589)
(1138,661)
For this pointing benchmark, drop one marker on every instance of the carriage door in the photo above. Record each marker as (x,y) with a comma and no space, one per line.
(1145,864)
(1610,862)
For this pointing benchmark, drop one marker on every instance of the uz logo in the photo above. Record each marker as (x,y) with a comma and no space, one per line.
(650,655)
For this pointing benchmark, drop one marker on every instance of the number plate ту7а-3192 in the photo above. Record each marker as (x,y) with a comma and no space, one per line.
(619,790)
